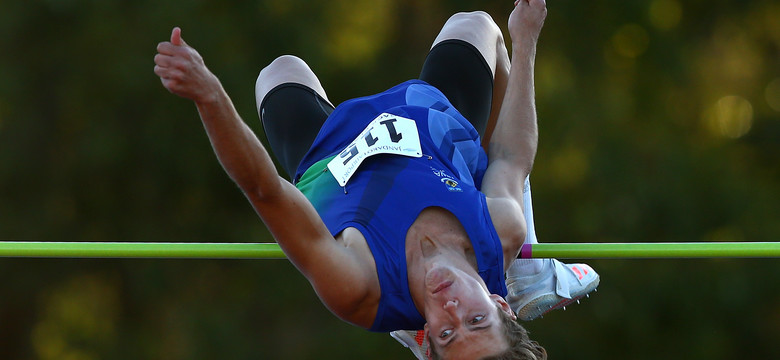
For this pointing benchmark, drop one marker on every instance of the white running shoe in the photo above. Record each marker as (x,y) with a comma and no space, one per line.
(417,341)
(556,286)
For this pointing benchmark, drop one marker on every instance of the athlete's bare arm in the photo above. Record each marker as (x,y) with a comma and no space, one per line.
(339,279)
(513,142)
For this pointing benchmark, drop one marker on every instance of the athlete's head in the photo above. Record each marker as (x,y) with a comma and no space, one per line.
(520,346)
(465,321)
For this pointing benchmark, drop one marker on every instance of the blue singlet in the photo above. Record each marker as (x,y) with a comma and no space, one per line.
(388,192)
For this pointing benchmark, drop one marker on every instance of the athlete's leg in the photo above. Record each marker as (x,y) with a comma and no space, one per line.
(292,106)
(469,63)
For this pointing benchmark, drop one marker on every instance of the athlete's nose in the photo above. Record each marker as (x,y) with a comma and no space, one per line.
(451,306)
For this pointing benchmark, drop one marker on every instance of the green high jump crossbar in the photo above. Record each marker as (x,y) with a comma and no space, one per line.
(182,250)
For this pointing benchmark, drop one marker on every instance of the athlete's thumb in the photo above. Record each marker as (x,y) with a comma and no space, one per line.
(176,37)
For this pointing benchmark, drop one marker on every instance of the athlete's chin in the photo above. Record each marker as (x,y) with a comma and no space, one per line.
(438,278)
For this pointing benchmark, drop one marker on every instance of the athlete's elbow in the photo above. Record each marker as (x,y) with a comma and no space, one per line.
(265,190)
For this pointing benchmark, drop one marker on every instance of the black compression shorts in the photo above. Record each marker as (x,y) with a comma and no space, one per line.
(292,113)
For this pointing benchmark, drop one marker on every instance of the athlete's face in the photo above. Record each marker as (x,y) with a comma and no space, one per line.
(462,319)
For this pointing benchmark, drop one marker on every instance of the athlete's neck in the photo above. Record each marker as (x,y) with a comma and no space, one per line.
(436,237)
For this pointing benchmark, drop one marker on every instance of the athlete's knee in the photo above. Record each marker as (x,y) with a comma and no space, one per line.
(478,15)
(478,29)
(286,61)
(282,65)
(285,69)
(472,19)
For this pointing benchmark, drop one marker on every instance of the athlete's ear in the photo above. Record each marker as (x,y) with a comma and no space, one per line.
(503,305)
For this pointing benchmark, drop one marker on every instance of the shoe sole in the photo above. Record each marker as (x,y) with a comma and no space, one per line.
(540,306)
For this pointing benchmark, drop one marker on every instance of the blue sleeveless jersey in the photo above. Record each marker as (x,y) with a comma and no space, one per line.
(388,192)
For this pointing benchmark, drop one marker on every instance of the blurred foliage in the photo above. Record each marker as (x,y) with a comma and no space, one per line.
(659,121)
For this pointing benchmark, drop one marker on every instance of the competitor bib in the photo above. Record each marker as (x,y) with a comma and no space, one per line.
(387,134)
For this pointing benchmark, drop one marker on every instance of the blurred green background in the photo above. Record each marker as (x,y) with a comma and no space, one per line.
(659,121)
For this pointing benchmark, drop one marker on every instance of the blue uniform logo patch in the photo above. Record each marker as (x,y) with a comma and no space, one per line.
(449,181)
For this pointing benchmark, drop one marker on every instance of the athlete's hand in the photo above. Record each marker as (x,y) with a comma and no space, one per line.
(525,23)
(182,71)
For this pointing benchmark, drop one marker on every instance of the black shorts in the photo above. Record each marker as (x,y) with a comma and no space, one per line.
(292,113)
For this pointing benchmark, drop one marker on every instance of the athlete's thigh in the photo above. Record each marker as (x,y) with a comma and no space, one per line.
(462,64)
(292,106)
